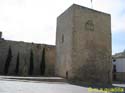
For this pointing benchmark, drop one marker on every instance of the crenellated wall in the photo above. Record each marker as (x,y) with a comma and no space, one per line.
(26,58)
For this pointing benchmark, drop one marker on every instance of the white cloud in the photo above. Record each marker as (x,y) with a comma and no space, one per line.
(35,20)
(118,23)
(116,9)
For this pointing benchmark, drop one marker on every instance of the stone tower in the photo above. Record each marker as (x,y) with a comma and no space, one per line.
(83,45)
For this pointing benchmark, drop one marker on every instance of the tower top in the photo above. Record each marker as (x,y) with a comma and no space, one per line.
(74,6)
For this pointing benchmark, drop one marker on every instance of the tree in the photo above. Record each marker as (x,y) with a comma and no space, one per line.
(42,64)
(31,67)
(8,60)
(17,65)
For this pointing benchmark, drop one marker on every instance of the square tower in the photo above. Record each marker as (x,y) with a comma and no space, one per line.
(83,45)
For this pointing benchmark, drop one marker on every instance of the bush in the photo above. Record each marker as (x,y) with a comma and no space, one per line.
(8,60)
(17,65)
(31,67)
(42,64)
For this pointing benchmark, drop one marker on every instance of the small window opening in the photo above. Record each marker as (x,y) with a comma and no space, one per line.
(114,68)
(62,38)
(114,60)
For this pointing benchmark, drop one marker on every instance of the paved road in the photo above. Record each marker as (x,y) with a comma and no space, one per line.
(8,85)
(26,86)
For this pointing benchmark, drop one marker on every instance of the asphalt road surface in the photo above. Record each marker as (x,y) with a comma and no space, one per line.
(9,85)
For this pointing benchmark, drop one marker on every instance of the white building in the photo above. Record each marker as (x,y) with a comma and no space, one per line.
(119,66)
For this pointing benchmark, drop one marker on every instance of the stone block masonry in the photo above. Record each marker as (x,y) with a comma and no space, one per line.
(83,45)
(26,59)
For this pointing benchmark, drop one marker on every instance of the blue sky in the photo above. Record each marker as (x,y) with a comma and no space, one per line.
(118,41)
(35,20)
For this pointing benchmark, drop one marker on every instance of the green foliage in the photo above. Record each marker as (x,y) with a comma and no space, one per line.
(8,60)
(31,67)
(17,65)
(42,64)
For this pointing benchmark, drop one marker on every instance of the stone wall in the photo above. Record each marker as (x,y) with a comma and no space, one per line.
(84,45)
(64,43)
(23,50)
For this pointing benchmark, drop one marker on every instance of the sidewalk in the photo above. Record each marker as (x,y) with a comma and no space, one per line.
(49,79)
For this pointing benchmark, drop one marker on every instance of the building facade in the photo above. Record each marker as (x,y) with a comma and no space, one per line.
(118,62)
(83,45)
